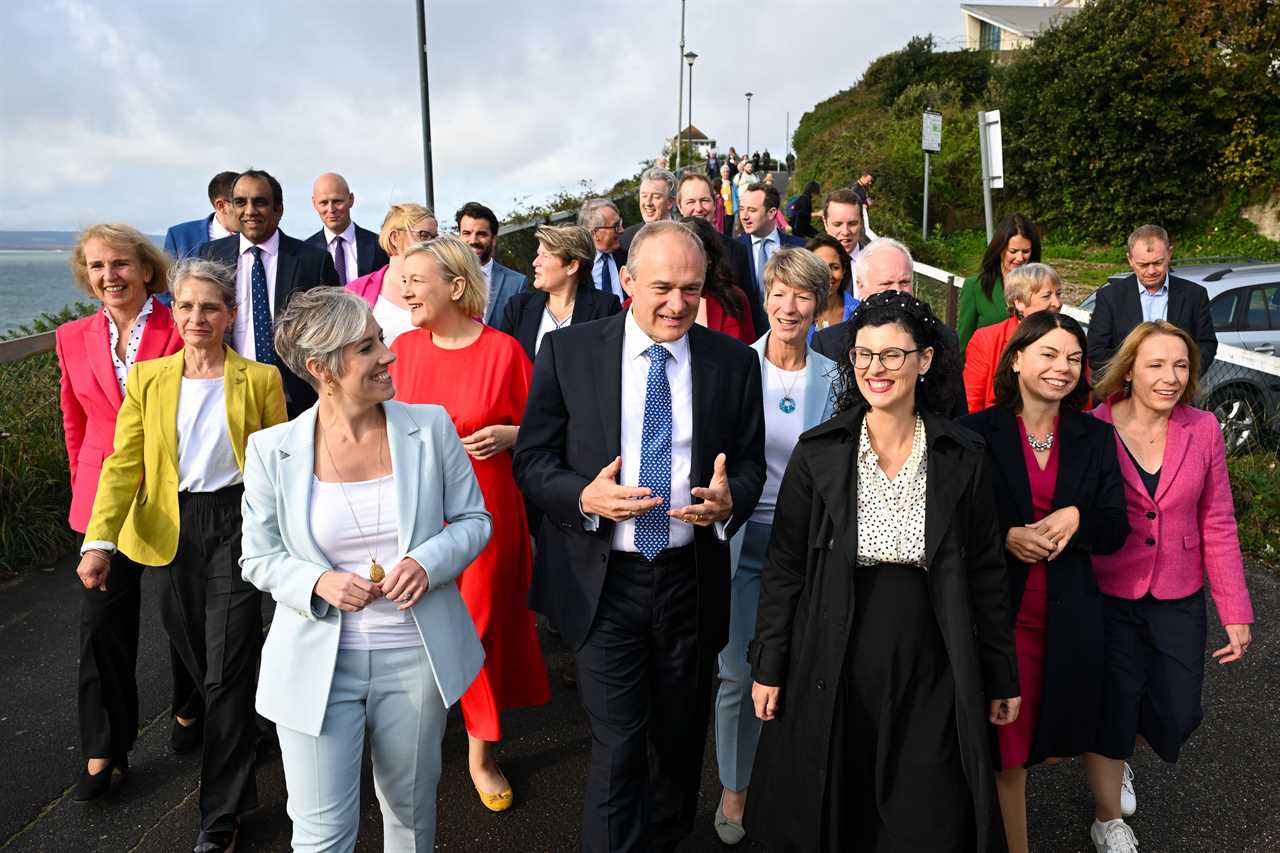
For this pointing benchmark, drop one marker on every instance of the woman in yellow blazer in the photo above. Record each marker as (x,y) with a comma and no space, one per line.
(170,496)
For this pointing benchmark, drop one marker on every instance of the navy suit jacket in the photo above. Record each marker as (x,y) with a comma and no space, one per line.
(504,283)
(369,255)
(752,286)
(299,266)
(1117,311)
(185,239)
(523,314)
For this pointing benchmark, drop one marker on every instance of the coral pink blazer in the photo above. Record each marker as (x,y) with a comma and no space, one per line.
(367,287)
(91,396)
(1188,530)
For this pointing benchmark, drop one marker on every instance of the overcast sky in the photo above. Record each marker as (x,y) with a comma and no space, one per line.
(122,111)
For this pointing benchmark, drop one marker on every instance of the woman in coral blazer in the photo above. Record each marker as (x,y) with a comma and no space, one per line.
(123,270)
(1182,528)
(1027,289)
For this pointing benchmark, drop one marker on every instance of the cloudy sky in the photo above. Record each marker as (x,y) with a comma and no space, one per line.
(123,110)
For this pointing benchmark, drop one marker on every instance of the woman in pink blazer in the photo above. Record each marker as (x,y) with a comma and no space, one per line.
(1182,528)
(124,270)
(404,225)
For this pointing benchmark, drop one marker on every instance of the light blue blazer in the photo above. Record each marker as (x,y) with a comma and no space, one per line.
(504,283)
(435,486)
(819,403)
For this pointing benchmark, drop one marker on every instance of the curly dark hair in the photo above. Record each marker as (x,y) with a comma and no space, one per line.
(1032,328)
(719,282)
(934,392)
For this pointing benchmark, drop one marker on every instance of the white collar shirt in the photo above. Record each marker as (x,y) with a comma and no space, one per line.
(130,348)
(242,328)
(216,231)
(891,513)
(487,269)
(348,248)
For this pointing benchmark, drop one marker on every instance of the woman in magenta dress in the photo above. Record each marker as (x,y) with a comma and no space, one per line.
(481,377)
(1060,498)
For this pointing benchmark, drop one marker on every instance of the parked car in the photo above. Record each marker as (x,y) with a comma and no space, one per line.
(1244,300)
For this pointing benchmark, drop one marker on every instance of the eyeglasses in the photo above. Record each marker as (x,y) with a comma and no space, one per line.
(617,226)
(891,358)
(420,236)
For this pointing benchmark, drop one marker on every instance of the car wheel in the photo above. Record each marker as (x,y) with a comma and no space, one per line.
(1237,410)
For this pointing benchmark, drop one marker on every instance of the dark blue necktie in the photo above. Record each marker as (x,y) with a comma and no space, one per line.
(653,529)
(606,280)
(263,343)
(340,259)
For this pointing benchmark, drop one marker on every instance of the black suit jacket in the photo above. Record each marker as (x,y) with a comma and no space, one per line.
(834,343)
(750,286)
(369,255)
(522,315)
(299,266)
(1117,311)
(1089,479)
(572,429)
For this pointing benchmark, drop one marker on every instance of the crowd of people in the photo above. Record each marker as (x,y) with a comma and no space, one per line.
(744,474)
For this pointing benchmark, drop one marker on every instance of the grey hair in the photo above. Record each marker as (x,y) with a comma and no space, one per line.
(875,246)
(317,324)
(666,226)
(798,268)
(660,175)
(1025,280)
(219,275)
(589,214)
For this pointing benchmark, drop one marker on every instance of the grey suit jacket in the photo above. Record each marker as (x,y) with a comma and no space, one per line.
(504,283)
(442,523)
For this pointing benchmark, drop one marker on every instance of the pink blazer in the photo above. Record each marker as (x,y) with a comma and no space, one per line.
(1188,530)
(367,287)
(91,396)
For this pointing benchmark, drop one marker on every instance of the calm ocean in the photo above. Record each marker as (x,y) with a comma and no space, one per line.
(34,283)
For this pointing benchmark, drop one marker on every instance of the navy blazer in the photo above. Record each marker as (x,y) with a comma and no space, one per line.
(522,314)
(504,283)
(369,255)
(755,293)
(1117,311)
(185,239)
(299,266)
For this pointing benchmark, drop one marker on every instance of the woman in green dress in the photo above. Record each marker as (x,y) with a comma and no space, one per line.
(1015,243)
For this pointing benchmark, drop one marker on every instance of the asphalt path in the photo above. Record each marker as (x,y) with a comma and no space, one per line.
(1223,795)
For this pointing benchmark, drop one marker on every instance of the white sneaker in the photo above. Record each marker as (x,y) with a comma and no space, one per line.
(1114,836)
(1128,799)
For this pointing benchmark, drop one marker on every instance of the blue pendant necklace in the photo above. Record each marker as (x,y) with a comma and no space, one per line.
(787,404)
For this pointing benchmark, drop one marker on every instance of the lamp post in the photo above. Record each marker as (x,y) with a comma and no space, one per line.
(426,103)
(747,153)
(680,89)
(689,58)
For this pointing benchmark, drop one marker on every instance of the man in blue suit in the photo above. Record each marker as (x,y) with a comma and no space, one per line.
(758,211)
(185,239)
(478,228)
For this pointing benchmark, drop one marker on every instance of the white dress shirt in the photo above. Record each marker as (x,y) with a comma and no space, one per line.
(131,348)
(216,231)
(242,328)
(615,282)
(348,248)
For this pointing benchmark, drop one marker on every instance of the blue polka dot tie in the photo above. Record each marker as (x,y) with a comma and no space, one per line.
(263,343)
(653,529)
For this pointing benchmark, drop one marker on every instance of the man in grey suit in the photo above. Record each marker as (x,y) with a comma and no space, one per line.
(478,228)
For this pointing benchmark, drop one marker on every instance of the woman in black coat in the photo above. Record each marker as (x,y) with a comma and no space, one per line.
(883,642)
(1060,498)
(564,291)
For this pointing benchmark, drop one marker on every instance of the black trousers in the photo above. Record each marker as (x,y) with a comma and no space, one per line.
(214,618)
(645,684)
(107,695)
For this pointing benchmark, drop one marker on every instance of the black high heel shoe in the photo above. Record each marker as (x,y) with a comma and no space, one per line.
(185,739)
(91,786)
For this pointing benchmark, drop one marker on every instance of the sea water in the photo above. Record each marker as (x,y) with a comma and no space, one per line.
(34,283)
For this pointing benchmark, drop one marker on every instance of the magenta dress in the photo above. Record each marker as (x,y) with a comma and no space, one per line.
(1029,631)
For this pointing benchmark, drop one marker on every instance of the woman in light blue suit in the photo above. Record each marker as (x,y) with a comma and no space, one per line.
(797,396)
(358,518)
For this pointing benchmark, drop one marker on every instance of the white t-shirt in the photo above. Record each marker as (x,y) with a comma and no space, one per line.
(549,324)
(781,432)
(348,529)
(206,460)
(393,319)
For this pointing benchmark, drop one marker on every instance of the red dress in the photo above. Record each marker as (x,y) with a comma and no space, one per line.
(1029,629)
(485,384)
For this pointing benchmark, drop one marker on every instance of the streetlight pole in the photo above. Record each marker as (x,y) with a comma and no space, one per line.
(747,153)
(680,89)
(689,58)
(426,103)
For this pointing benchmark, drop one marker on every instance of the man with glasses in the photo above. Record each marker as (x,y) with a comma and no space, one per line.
(885,264)
(600,216)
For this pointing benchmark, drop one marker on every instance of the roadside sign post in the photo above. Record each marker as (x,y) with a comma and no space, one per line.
(930,141)
(992,148)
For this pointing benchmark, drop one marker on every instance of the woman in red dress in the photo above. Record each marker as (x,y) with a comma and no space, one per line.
(481,377)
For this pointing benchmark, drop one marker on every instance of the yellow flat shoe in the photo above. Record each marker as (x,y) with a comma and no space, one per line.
(496,802)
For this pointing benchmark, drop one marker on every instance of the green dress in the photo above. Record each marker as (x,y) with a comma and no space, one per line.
(976,310)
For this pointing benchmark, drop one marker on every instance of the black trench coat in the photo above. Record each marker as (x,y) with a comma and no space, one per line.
(1088,479)
(806,613)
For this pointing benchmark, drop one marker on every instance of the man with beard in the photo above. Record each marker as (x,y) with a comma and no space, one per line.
(478,228)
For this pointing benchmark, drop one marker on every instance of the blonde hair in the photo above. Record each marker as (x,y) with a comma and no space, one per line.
(1023,281)
(798,268)
(456,260)
(399,217)
(119,236)
(570,243)
(1115,371)
(318,324)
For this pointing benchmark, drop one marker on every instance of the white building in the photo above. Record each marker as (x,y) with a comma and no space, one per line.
(694,138)
(1005,26)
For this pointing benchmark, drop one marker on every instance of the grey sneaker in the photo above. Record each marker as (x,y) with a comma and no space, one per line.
(1128,799)
(1114,836)
(730,832)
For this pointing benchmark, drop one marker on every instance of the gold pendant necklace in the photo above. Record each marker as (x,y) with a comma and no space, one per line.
(376,572)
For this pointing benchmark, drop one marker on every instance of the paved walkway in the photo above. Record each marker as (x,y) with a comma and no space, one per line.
(1223,795)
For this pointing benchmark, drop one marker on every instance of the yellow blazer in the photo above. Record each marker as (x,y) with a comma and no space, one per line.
(136,506)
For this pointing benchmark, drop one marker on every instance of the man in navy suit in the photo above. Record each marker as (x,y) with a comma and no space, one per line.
(186,238)
(270,266)
(355,250)
(758,211)
(657,195)
(478,228)
(602,218)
